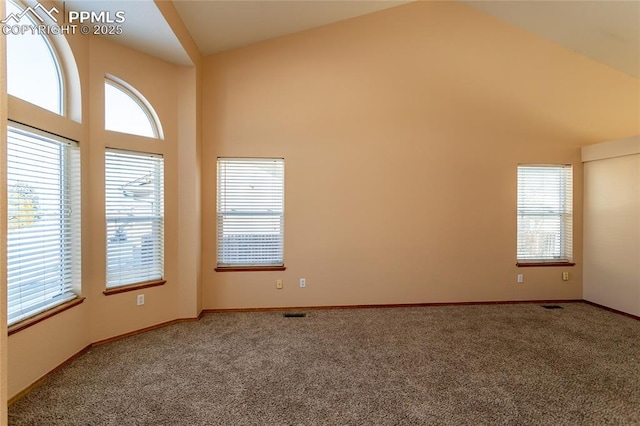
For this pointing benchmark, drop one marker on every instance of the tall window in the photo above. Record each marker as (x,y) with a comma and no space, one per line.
(43,239)
(545,214)
(127,111)
(250,212)
(33,71)
(135,224)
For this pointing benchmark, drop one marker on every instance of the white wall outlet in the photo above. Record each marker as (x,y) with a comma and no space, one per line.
(279,284)
(520,278)
(140,300)
(565,276)
(303,282)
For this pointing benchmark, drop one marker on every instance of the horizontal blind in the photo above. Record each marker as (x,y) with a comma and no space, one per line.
(250,212)
(43,235)
(134,198)
(545,213)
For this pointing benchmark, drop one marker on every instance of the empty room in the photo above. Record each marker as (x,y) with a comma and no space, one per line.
(319,212)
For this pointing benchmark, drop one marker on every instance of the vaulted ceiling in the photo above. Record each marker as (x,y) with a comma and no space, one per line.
(606,31)
(222,25)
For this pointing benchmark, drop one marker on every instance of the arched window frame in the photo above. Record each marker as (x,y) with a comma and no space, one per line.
(139,99)
(62,101)
(70,97)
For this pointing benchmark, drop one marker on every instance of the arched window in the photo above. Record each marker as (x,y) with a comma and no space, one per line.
(127,111)
(33,70)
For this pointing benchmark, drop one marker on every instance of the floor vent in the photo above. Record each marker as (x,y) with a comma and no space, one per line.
(552,306)
(294,315)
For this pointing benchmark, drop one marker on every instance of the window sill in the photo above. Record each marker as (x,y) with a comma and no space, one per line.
(133,287)
(544,264)
(26,323)
(249,268)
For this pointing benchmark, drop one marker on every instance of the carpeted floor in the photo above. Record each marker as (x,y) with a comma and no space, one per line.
(451,365)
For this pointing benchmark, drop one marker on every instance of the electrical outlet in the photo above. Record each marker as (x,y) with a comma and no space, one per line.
(140,300)
(303,282)
(520,278)
(279,284)
(565,276)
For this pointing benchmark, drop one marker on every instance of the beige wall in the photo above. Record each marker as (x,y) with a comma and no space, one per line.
(171,90)
(158,87)
(401,131)
(188,254)
(612,226)
(189,167)
(35,351)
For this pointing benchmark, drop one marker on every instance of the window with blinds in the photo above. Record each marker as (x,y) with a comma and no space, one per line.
(134,198)
(43,235)
(250,212)
(545,213)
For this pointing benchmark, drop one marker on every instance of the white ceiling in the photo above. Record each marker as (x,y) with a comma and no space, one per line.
(607,30)
(144,28)
(217,26)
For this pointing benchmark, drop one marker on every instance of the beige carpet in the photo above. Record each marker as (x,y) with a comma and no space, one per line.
(450,365)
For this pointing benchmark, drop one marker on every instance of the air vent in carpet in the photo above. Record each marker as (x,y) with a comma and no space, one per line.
(294,315)
(552,306)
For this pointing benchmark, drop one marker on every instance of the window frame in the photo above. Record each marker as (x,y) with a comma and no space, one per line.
(222,266)
(159,216)
(138,99)
(564,213)
(69,250)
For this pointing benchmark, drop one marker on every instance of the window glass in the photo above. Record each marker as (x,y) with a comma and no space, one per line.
(134,209)
(33,72)
(250,212)
(125,113)
(545,213)
(43,238)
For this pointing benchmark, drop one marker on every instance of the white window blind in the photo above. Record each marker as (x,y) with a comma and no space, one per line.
(134,210)
(43,236)
(250,212)
(545,213)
